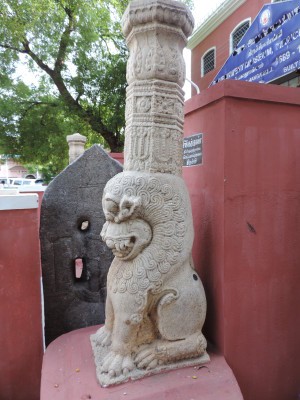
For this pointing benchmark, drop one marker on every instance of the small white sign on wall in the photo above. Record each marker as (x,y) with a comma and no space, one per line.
(192,150)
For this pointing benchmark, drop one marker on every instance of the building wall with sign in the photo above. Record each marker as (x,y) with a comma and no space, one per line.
(245,198)
(215,34)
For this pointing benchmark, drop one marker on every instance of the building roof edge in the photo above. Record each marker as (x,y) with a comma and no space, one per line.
(212,22)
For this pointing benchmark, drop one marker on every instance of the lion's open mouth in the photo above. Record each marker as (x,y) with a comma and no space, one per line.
(121,248)
(127,239)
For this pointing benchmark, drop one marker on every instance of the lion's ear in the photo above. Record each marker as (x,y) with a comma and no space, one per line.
(129,205)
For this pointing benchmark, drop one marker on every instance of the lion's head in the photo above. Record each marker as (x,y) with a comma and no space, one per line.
(149,228)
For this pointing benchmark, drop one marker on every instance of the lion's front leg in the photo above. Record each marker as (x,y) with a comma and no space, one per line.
(119,360)
(103,336)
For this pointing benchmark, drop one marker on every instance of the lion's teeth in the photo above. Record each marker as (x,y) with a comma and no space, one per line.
(110,243)
(123,245)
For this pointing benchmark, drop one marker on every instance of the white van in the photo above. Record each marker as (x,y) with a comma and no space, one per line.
(16,182)
(4,181)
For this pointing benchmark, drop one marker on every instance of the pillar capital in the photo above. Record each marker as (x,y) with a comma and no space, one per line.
(166,12)
(76,144)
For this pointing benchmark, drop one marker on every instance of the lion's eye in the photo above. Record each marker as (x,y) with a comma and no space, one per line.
(112,206)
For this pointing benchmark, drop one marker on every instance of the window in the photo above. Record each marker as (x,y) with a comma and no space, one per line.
(237,34)
(208,62)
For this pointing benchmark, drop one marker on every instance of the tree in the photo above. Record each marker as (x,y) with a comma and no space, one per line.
(77,53)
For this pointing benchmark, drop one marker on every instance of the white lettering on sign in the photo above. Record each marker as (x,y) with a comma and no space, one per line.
(192,150)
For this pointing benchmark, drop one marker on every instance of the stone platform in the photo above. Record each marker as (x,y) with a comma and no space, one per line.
(69,373)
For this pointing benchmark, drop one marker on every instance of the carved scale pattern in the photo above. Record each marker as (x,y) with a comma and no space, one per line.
(166,211)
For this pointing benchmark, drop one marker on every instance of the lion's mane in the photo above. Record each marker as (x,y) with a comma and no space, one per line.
(165,206)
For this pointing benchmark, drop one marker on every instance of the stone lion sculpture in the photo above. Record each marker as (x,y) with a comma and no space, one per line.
(156,305)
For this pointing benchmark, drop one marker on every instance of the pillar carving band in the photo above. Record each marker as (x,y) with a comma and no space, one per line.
(156,33)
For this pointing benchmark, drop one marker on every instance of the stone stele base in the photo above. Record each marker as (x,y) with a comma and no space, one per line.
(104,380)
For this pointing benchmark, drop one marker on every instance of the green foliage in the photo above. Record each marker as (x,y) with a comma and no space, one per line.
(35,128)
(76,52)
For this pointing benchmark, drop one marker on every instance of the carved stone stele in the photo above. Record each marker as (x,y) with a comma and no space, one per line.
(156,305)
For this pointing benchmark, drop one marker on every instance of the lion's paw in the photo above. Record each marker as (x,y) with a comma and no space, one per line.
(103,337)
(150,356)
(115,364)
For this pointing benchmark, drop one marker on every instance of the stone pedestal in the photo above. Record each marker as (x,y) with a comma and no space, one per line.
(69,375)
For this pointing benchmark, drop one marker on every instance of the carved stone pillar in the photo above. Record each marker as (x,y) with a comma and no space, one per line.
(156,32)
(156,305)
(76,144)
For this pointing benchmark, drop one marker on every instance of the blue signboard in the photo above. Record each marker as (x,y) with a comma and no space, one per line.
(270,49)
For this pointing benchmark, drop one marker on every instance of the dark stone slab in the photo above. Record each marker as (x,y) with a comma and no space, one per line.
(71,201)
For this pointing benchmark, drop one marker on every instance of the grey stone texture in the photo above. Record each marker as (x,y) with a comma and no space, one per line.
(71,222)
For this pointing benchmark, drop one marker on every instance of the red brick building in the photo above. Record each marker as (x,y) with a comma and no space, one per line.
(215,38)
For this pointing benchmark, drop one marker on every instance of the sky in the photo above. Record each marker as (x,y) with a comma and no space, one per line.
(202,8)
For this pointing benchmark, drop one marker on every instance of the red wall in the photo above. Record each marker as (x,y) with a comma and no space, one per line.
(220,39)
(21,347)
(246,205)
(117,156)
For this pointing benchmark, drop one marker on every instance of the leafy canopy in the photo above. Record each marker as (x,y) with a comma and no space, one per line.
(76,55)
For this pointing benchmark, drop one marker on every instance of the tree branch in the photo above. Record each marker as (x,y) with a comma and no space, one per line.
(32,104)
(7,46)
(38,103)
(36,58)
(89,115)
(64,42)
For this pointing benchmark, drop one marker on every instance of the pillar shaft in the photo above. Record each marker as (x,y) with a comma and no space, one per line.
(156,33)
